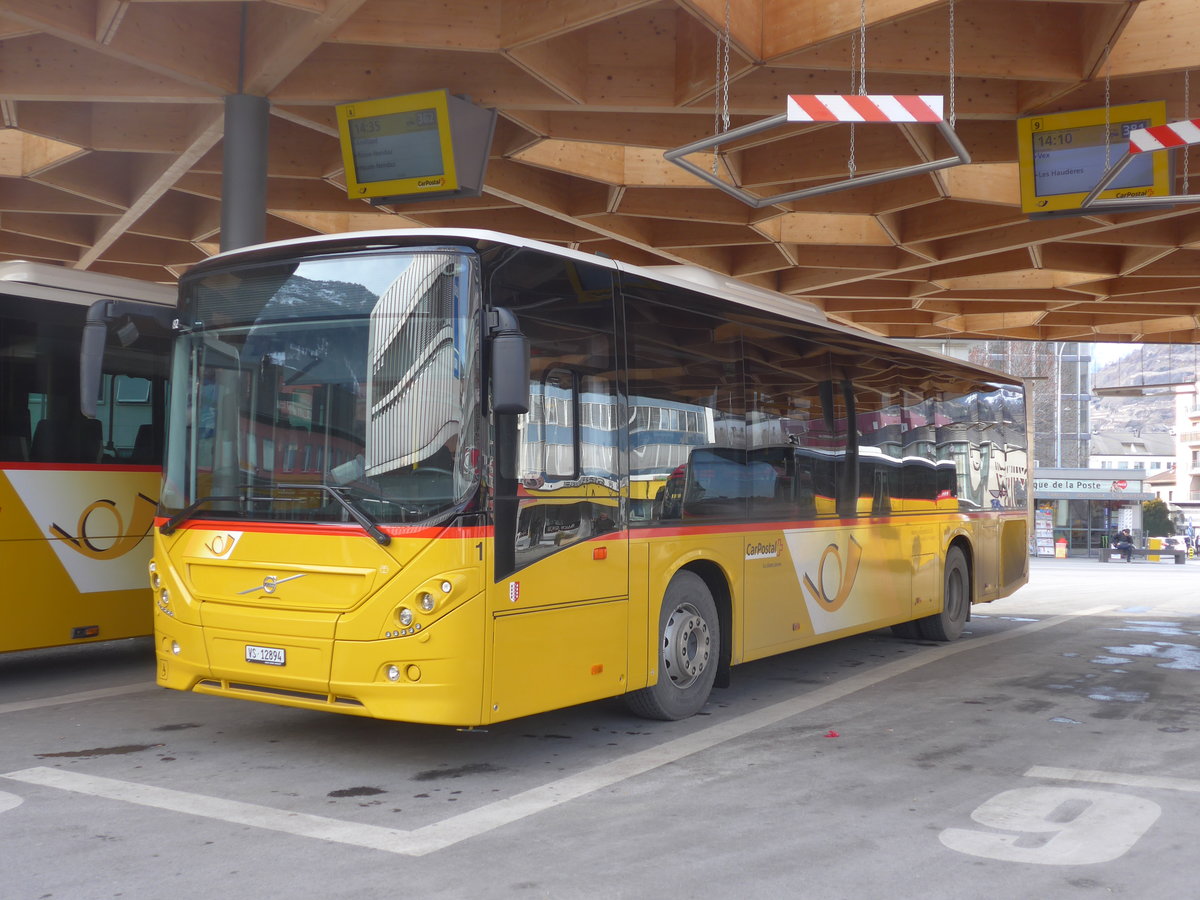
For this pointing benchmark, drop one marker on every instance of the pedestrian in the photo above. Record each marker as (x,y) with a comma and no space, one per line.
(1124,543)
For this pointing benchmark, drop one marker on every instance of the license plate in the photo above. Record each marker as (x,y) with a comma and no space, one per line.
(268,656)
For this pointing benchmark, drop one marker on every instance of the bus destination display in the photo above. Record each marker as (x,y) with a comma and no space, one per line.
(1065,161)
(397,146)
(1063,156)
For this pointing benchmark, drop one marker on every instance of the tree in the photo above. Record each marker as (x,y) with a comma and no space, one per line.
(1156,518)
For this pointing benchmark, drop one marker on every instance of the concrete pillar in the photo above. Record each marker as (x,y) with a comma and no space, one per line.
(244,171)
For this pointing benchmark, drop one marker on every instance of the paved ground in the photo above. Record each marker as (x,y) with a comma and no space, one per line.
(1051,752)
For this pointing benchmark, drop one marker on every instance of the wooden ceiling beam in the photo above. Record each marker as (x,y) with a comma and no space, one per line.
(526,21)
(1173,263)
(186,47)
(759,258)
(814,228)
(673,234)
(15,245)
(421,24)
(339,73)
(919,44)
(1158,37)
(788,26)
(66,229)
(43,68)
(1076,258)
(844,305)
(322,222)
(953,218)
(688,204)
(137,248)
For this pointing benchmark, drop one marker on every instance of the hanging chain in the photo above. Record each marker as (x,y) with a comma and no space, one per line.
(862,47)
(1187,115)
(952,38)
(721,94)
(1107,111)
(852,165)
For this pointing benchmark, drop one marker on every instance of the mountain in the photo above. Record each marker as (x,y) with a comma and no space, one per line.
(1144,365)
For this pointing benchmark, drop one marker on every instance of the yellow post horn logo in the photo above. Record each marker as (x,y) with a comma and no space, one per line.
(139,526)
(845,583)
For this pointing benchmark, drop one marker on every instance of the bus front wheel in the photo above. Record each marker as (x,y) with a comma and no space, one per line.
(956,601)
(689,648)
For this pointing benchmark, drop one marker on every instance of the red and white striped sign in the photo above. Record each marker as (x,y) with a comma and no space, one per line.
(864,108)
(1164,137)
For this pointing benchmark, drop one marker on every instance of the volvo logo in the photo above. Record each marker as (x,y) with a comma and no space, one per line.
(270,583)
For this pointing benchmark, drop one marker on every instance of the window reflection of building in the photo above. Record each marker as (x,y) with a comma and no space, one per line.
(412,400)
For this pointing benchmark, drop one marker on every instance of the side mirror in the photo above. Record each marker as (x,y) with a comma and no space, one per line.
(510,364)
(100,318)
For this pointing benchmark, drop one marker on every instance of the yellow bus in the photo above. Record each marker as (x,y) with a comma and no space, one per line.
(83,364)
(457,477)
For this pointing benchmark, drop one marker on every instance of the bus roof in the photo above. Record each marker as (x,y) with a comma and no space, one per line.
(695,278)
(691,277)
(50,282)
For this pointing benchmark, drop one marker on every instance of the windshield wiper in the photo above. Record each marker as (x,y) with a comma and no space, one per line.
(186,513)
(369,525)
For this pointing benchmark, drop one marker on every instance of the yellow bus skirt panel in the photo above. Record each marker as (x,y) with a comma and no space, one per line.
(538,663)
(434,676)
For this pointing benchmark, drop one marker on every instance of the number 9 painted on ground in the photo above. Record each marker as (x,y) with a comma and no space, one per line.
(1060,826)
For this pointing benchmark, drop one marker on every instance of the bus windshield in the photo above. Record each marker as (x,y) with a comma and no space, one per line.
(336,388)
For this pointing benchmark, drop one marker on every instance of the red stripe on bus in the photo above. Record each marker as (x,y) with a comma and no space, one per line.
(331,530)
(75,467)
(483,531)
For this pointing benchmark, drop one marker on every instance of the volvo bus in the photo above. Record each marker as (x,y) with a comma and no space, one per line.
(457,477)
(83,365)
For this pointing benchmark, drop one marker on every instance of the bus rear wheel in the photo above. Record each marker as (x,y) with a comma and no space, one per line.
(689,648)
(956,601)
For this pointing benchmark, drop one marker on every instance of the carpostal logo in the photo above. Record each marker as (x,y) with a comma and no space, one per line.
(834,576)
(430,182)
(764,550)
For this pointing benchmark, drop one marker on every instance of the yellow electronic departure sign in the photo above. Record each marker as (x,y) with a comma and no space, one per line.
(398,146)
(1063,156)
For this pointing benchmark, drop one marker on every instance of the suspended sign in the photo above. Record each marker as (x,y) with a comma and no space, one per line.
(414,147)
(1063,156)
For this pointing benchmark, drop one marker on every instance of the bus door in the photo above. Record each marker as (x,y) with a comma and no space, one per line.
(559,600)
(561,619)
(852,564)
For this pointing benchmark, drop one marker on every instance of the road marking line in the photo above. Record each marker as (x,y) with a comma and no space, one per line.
(1094,775)
(319,827)
(451,831)
(81,697)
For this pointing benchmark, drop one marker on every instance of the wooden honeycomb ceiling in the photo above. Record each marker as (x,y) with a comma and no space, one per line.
(110,154)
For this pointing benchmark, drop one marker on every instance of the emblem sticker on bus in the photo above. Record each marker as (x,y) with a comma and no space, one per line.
(222,544)
(763,550)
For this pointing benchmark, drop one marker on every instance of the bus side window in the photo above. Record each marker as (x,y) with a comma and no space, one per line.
(15,434)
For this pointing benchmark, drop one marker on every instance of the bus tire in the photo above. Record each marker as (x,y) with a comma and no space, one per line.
(956,601)
(689,651)
(910,631)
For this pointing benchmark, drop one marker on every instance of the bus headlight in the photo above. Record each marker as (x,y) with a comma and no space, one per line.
(393,673)
(155,581)
(164,602)
(427,603)
(405,616)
